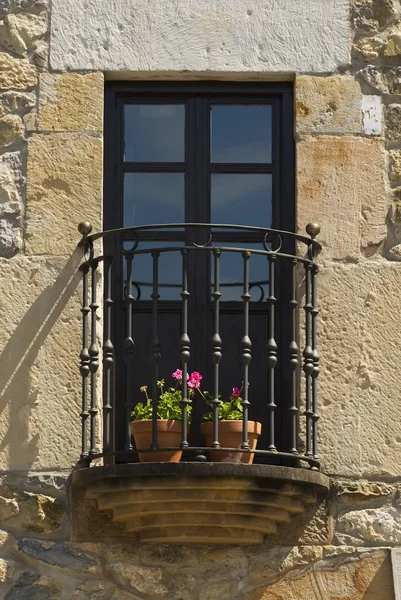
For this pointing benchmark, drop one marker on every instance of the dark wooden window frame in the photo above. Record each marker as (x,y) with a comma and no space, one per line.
(280,95)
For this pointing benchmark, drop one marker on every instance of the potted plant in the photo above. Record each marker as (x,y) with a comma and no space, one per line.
(230,415)
(169,423)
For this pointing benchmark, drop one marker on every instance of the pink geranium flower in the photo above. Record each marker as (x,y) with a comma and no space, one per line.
(236,392)
(177,374)
(194,380)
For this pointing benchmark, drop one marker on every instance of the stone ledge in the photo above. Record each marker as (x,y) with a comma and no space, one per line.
(201,502)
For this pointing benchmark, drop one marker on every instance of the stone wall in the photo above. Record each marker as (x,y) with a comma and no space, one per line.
(348,107)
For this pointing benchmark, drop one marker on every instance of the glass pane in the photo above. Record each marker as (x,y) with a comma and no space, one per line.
(154,132)
(153,198)
(241,199)
(241,133)
(232,270)
(170,271)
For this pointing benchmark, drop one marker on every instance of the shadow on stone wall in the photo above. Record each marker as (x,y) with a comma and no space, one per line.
(19,386)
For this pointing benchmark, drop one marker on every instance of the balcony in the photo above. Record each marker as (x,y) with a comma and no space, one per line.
(221,318)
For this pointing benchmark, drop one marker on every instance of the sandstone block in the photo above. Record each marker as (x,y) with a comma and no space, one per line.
(64,187)
(63,556)
(393,121)
(328,105)
(375,77)
(11,130)
(71,102)
(20,33)
(33,592)
(36,513)
(358,342)
(371,15)
(368,577)
(39,337)
(15,73)
(341,183)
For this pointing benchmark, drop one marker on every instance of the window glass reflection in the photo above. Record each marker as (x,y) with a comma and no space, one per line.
(241,133)
(241,199)
(153,198)
(154,132)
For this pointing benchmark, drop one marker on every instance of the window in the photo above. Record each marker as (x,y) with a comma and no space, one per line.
(199,153)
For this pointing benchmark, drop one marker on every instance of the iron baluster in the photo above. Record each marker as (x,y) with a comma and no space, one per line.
(94,361)
(246,349)
(271,355)
(129,350)
(155,347)
(313,229)
(85,361)
(316,369)
(185,348)
(216,348)
(308,359)
(108,360)
(294,361)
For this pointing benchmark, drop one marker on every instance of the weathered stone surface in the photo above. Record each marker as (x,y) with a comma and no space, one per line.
(33,592)
(36,513)
(341,183)
(395,166)
(39,380)
(370,527)
(372,113)
(64,187)
(369,578)
(393,121)
(264,566)
(368,48)
(10,238)
(15,73)
(11,184)
(359,407)
(11,130)
(328,105)
(16,102)
(71,102)
(32,5)
(4,7)
(371,15)
(182,36)
(21,33)
(8,508)
(63,556)
(361,491)
(376,78)
(393,45)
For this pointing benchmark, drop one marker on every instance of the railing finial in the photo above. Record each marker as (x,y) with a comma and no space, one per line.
(84,228)
(313,229)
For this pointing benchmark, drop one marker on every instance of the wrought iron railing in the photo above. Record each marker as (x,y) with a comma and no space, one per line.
(116,251)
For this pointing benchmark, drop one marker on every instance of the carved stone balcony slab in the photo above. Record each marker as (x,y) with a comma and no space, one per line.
(191,502)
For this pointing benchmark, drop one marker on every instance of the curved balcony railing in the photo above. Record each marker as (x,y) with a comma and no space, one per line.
(117,250)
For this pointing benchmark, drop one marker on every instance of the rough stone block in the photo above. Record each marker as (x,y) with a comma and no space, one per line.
(71,102)
(358,343)
(64,187)
(393,121)
(372,112)
(395,166)
(328,105)
(342,184)
(11,130)
(186,36)
(21,33)
(370,527)
(39,379)
(15,73)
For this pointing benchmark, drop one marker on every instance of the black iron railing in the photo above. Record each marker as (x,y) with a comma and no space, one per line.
(300,368)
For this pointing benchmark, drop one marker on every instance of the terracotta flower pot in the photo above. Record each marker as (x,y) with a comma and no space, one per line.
(230,436)
(169,433)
